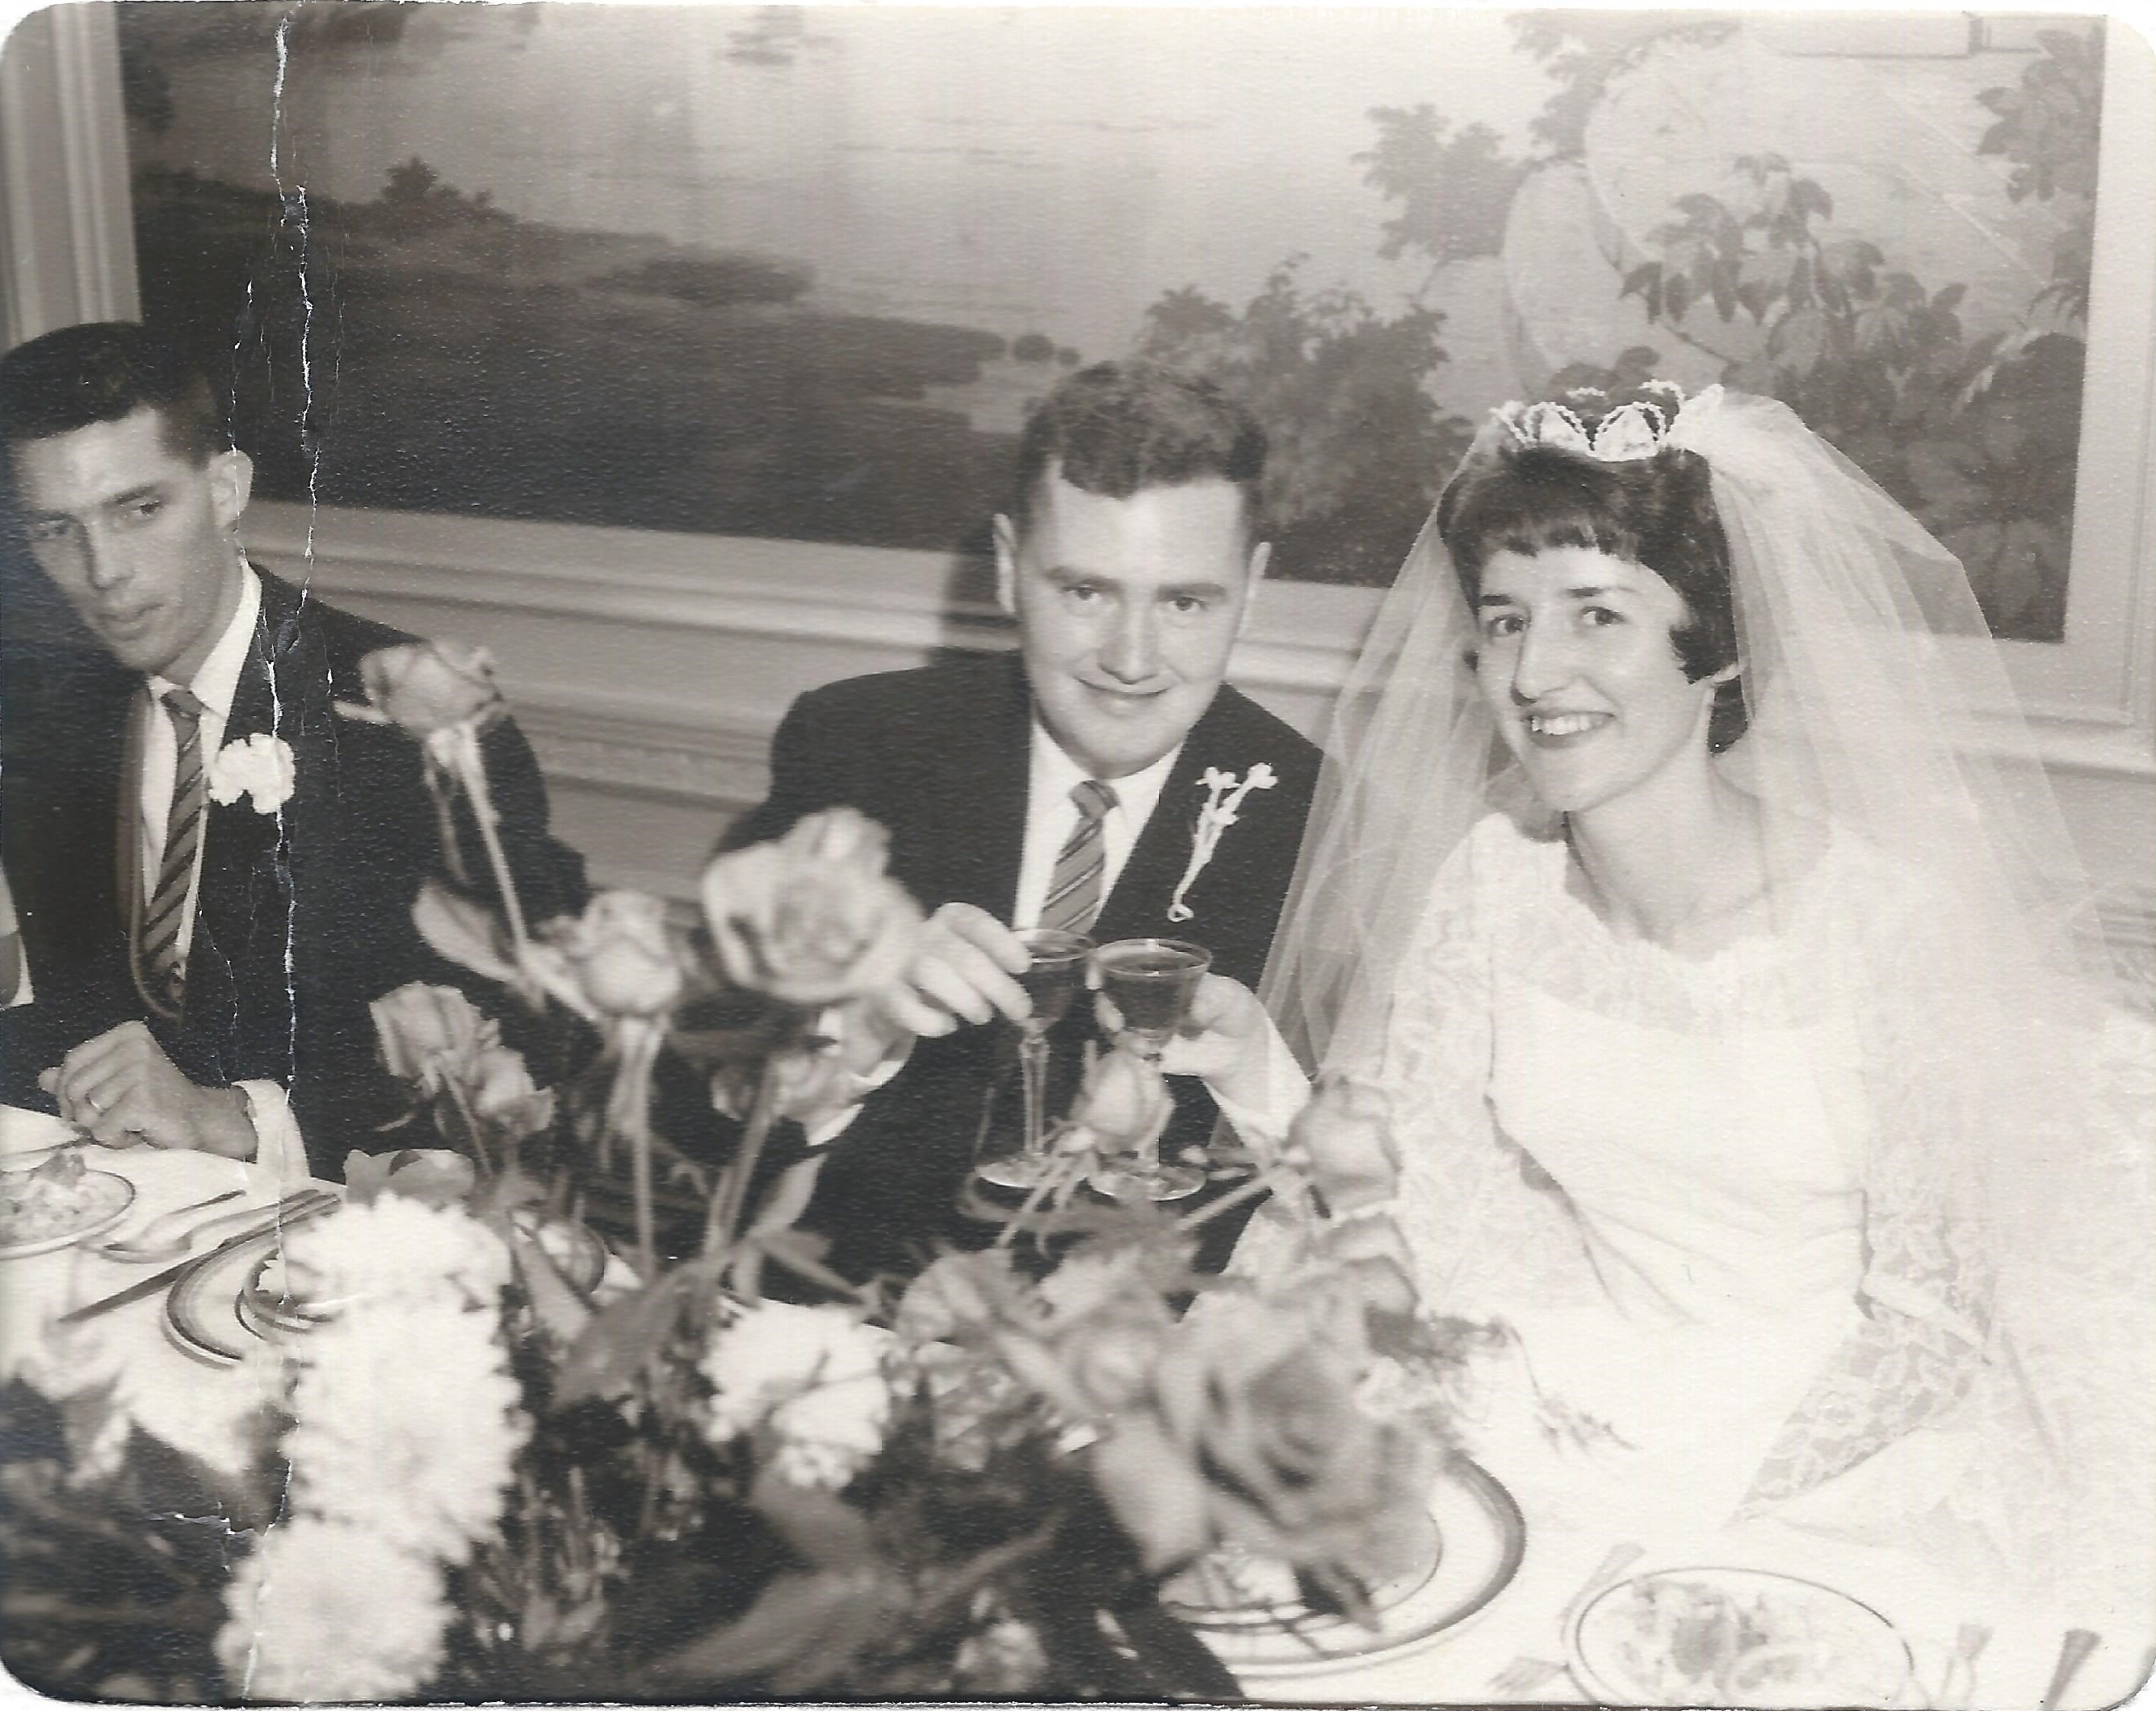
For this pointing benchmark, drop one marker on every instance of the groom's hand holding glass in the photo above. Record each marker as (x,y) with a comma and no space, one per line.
(965,970)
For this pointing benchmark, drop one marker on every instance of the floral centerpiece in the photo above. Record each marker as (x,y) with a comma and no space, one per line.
(499,1470)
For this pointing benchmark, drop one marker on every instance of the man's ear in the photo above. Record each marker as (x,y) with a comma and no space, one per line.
(1006,534)
(231,484)
(1261,557)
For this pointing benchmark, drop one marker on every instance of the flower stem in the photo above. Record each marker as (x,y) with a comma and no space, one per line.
(472,1129)
(728,1204)
(1261,1183)
(628,1114)
(473,766)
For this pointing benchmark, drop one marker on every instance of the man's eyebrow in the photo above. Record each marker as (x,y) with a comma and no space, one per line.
(1194,591)
(147,490)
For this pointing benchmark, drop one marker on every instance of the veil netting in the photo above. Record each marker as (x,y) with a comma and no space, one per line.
(2012,1097)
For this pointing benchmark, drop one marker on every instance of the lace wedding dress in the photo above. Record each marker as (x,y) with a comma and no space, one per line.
(1717,1200)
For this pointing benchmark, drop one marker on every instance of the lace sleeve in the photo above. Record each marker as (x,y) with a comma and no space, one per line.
(1927,1287)
(1479,1217)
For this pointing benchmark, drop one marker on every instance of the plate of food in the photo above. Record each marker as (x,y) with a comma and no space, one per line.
(58,1203)
(1736,1636)
(1250,1614)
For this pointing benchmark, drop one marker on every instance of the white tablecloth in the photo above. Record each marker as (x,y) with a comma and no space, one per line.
(205,1410)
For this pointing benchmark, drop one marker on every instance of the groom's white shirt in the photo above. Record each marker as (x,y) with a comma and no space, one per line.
(1052,816)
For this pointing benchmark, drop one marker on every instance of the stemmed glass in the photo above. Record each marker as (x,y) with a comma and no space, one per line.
(1151,982)
(1053,980)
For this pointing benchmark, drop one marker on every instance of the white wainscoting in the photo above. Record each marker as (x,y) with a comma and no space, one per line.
(650,669)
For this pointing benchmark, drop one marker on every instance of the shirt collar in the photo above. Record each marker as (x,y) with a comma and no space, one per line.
(217,684)
(1056,775)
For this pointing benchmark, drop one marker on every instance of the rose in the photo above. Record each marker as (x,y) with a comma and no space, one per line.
(1123,1105)
(503,1095)
(427,686)
(812,919)
(430,1033)
(1250,1434)
(429,1175)
(259,767)
(622,955)
(1343,1138)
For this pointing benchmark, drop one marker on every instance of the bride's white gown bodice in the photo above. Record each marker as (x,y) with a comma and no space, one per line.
(1714,1176)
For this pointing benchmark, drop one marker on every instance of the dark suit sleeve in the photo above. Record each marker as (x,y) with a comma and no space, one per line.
(804,776)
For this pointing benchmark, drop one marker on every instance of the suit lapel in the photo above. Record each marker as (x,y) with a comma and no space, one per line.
(1138,907)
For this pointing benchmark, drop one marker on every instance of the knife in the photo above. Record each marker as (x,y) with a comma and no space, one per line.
(306,1204)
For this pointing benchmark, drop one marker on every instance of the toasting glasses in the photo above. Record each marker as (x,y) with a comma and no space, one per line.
(1053,979)
(1151,982)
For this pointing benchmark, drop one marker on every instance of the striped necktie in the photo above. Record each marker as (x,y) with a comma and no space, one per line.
(1074,889)
(163,965)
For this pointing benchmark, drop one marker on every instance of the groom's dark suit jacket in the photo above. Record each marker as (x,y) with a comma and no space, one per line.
(940,755)
(298,923)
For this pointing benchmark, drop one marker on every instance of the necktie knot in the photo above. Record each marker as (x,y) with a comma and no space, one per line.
(186,708)
(1094,799)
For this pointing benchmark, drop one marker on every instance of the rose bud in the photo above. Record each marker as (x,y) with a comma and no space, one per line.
(623,956)
(430,1033)
(1343,1138)
(430,687)
(812,919)
(1124,1105)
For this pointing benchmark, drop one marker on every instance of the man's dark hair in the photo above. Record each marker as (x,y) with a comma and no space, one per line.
(1657,510)
(105,371)
(1118,427)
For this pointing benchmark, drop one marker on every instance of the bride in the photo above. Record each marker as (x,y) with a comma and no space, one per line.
(1683,878)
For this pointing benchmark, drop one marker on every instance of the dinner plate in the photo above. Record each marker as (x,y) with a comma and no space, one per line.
(1736,1636)
(106,1198)
(1479,1537)
(204,1313)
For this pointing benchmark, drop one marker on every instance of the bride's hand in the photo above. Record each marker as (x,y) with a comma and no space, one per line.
(1223,1040)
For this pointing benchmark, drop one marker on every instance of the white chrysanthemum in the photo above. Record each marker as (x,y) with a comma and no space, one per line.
(327,1612)
(397,1249)
(814,1376)
(407,1420)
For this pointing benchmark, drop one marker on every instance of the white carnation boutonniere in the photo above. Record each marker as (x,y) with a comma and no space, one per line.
(258,768)
(1224,801)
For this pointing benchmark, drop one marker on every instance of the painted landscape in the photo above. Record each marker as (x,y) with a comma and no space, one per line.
(800,272)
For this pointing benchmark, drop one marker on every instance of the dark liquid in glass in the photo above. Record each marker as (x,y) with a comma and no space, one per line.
(1051,986)
(1152,987)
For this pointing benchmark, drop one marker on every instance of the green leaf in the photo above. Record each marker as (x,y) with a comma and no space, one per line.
(804,1631)
(605,1359)
(826,1533)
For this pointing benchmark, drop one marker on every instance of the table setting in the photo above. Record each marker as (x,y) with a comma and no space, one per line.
(460,1440)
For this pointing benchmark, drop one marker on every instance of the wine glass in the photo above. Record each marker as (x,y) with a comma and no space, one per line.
(1151,982)
(1052,979)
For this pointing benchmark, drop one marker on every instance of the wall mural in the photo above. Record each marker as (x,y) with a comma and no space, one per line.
(799,272)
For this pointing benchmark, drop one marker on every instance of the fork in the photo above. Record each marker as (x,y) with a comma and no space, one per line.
(1958,1680)
(1523,1675)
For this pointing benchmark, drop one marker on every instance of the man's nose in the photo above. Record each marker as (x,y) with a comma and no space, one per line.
(1132,652)
(104,565)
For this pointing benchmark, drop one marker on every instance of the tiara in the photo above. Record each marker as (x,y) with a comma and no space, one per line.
(1631,431)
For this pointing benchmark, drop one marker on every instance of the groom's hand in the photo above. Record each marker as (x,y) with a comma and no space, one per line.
(122,1088)
(962,971)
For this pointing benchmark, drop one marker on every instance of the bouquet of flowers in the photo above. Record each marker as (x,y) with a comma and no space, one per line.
(511,1464)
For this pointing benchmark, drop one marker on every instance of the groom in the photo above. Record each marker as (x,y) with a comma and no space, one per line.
(201,954)
(1060,784)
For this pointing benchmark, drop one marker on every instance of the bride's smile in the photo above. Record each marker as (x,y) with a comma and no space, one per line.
(1576,663)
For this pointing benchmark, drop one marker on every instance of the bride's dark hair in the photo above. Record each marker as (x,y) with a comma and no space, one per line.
(1658,512)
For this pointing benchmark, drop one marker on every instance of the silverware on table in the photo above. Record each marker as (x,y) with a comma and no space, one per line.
(140,1248)
(1523,1675)
(1958,1680)
(2074,1651)
(306,1204)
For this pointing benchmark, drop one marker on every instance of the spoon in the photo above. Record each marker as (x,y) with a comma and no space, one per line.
(146,1247)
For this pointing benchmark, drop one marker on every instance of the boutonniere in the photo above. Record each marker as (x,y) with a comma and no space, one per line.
(258,767)
(1223,800)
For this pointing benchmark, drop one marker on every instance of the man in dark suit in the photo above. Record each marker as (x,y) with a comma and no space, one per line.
(214,871)
(1059,785)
